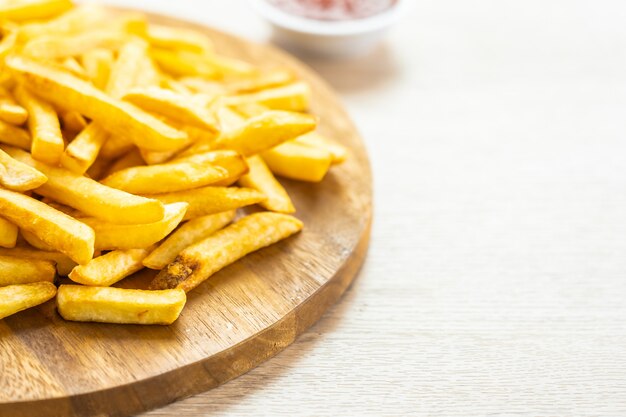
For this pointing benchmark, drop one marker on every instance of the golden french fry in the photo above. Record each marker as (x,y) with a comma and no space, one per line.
(55,46)
(18,176)
(8,233)
(23,10)
(73,66)
(186,235)
(35,242)
(73,121)
(211,200)
(299,162)
(90,196)
(10,111)
(43,123)
(131,159)
(262,80)
(24,271)
(230,161)
(109,268)
(15,298)
(83,150)
(291,97)
(15,136)
(119,305)
(201,260)
(266,131)
(111,236)
(76,20)
(165,177)
(178,38)
(338,152)
(116,146)
(127,68)
(65,234)
(260,178)
(97,64)
(75,94)
(63,263)
(181,63)
(174,105)
(202,85)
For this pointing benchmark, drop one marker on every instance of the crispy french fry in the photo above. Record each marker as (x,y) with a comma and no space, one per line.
(119,305)
(127,68)
(35,242)
(97,64)
(54,46)
(63,263)
(10,111)
(43,123)
(230,161)
(178,39)
(109,268)
(116,146)
(202,85)
(111,236)
(260,178)
(55,228)
(24,271)
(338,152)
(299,162)
(173,105)
(79,19)
(226,66)
(83,150)
(8,233)
(211,200)
(90,196)
(15,136)
(15,298)
(201,260)
(291,97)
(165,177)
(266,131)
(23,10)
(131,159)
(73,121)
(18,176)
(186,235)
(75,94)
(181,63)
(259,81)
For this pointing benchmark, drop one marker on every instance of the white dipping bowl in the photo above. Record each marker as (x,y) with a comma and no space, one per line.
(324,38)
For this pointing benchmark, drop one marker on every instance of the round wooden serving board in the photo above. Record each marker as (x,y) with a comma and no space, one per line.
(242,316)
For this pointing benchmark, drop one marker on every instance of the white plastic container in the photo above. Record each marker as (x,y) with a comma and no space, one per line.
(332,39)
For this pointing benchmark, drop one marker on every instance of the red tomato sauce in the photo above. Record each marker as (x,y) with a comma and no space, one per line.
(334,9)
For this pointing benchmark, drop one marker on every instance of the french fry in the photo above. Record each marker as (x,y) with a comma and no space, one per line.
(202,85)
(230,161)
(201,260)
(63,263)
(24,271)
(18,176)
(15,298)
(338,152)
(261,80)
(97,64)
(98,169)
(266,131)
(211,200)
(178,39)
(260,178)
(10,111)
(8,32)
(127,68)
(15,136)
(72,65)
(181,63)
(290,97)
(43,123)
(79,19)
(23,10)
(111,236)
(165,177)
(131,159)
(110,268)
(54,46)
(75,94)
(8,233)
(83,150)
(35,242)
(116,146)
(186,235)
(73,121)
(65,234)
(90,196)
(119,305)
(299,162)
(173,105)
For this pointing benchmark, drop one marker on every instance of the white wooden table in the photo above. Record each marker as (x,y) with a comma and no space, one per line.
(496,278)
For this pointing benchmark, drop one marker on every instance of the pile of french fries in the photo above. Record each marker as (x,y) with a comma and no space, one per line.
(126,145)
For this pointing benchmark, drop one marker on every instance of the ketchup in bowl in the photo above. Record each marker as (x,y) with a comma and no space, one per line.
(334,9)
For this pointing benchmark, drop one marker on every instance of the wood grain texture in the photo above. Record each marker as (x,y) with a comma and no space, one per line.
(245,314)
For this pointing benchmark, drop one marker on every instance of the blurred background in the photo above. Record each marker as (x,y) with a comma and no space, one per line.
(495,278)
